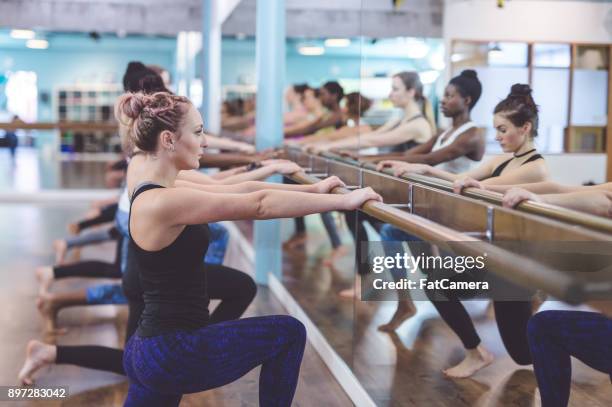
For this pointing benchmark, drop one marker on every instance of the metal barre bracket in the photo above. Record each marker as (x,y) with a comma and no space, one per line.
(411,197)
(490,223)
(317,174)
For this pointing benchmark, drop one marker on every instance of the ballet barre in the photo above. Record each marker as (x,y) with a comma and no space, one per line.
(518,269)
(353,170)
(479,220)
(110,127)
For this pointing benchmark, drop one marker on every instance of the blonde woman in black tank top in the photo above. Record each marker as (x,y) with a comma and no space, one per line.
(176,350)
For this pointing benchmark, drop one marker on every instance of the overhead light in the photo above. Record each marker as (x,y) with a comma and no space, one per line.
(337,42)
(37,44)
(311,50)
(429,77)
(457,57)
(436,61)
(23,34)
(495,50)
(416,49)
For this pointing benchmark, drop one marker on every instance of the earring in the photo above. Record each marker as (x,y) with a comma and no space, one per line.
(172,147)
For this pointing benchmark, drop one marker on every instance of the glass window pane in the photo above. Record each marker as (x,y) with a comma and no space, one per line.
(507,54)
(589,97)
(551,55)
(551,93)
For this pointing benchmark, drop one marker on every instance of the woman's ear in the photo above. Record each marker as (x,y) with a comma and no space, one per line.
(527,127)
(411,93)
(468,101)
(166,140)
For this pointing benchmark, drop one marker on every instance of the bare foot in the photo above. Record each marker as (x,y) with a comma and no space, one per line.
(475,359)
(48,309)
(38,354)
(44,275)
(335,254)
(73,228)
(405,310)
(60,248)
(298,239)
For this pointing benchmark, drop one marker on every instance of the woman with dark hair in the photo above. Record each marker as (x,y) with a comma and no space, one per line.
(414,128)
(296,110)
(314,112)
(328,119)
(516,121)
(356,105)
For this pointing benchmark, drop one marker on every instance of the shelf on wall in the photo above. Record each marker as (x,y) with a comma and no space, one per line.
(87,103)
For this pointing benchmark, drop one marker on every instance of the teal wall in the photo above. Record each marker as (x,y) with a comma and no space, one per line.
(74,58)
(238,61)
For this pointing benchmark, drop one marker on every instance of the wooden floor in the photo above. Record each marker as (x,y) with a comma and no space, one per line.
(27,231)
(396,370)
(405,369)
(32,171)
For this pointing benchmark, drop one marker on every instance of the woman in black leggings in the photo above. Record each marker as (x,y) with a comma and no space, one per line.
(516,122)
(235,289)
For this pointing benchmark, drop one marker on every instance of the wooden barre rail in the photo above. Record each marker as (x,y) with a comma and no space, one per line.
(62,126)
(536,208)
(518,269)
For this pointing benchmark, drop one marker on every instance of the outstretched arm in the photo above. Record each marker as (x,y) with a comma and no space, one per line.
(596,201)
(463,145)
(186,206)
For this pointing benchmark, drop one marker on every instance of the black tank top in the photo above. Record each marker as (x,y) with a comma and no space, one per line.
(500,168)
(406,145)
(173,280)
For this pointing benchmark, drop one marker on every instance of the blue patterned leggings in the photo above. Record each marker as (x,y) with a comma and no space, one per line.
(554,336)
(164,367)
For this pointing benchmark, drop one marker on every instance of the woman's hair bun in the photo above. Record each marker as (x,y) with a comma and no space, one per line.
(132,104)
(469,73)
(519,89)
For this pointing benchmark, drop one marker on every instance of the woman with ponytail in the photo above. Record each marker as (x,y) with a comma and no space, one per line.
(454,150)
(415,127)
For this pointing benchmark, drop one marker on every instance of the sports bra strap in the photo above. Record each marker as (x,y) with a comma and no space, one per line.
(143,187)
(497,172)
(533,158)
(402,121)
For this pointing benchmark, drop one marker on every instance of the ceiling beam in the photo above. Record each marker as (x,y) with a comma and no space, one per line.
(314,18)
